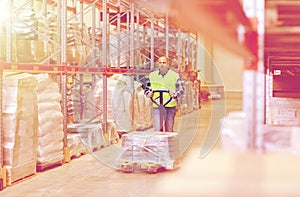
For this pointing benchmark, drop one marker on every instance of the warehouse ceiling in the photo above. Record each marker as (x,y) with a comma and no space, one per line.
(219,20)
(282,36)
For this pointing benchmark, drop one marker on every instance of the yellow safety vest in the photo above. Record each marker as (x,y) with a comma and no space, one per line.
(167,82)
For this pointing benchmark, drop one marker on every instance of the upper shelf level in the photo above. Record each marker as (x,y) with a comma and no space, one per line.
(223,21)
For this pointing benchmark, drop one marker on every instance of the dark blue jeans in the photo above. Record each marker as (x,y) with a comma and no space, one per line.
(167,119)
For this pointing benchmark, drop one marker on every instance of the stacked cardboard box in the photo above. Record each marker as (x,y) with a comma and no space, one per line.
(150,147)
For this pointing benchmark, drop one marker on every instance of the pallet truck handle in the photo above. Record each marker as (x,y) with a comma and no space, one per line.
(161,97)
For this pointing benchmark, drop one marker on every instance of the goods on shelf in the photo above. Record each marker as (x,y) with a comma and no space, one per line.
(76,48)
(140,110)
(111,83)
(282,139)
(77,148)
(188,101)
(50,122)
(233,133)
(284,111)
(91,135)
(126,104)
(19,125)
(120,103)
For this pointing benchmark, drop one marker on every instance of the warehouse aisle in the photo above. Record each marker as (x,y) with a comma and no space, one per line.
(88,176)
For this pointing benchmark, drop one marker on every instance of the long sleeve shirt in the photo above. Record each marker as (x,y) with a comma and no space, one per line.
(179,87)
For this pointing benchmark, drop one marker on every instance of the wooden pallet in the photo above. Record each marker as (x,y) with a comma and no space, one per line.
(11,183)
(150,168)
(20,172)
(44,167)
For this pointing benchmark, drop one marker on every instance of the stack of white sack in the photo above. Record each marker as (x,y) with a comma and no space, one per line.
(120,103)
(140,109)
(118,95)
(50,122)
(111,83)
(110,134)
(19,109)
(127,105)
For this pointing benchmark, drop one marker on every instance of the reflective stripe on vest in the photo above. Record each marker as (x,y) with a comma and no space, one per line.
(159,82)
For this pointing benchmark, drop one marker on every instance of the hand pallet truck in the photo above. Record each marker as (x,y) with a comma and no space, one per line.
(149,151)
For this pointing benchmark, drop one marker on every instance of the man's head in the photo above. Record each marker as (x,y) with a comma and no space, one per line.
(163,64)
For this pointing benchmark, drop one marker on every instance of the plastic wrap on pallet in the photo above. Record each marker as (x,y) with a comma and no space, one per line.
(91,135)
(76,146)
(150,147)
(127,105)
(50,159)
(19,125)
(140,109)
(233,134)
(121,102)
(187,102)
(284,139)
(111,83)
(50,138)
(49,148)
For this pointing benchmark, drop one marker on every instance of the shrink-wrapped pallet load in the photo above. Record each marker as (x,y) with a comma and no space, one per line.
(50,122)
(19,128)
(110,134)
(140,109)
(150,147)
(120,103)
(99,99)
(127,106)
(187,103)
(77,148)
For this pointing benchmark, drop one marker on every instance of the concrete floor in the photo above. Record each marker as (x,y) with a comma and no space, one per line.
(94,174)
(205,170)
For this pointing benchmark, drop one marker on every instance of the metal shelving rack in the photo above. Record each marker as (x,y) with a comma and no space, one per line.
(139,26)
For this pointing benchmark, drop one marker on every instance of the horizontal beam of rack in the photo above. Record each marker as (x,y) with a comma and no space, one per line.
(54,68)
(99,5)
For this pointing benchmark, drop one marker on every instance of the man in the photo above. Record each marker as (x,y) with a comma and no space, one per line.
(164,79)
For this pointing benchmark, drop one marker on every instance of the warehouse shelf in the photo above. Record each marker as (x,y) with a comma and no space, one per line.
(87,41)
(69,69)
(69,34)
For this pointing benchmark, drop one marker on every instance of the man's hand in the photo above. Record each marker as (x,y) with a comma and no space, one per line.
(150,94)
(172,94)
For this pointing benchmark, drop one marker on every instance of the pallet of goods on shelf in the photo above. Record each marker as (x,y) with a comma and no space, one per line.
(127,105)
(281,139)
(188,101)
(19,125)
(284,111)
(50,123)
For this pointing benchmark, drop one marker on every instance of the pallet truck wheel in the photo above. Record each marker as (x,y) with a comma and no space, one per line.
(151,168)
(127,167)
